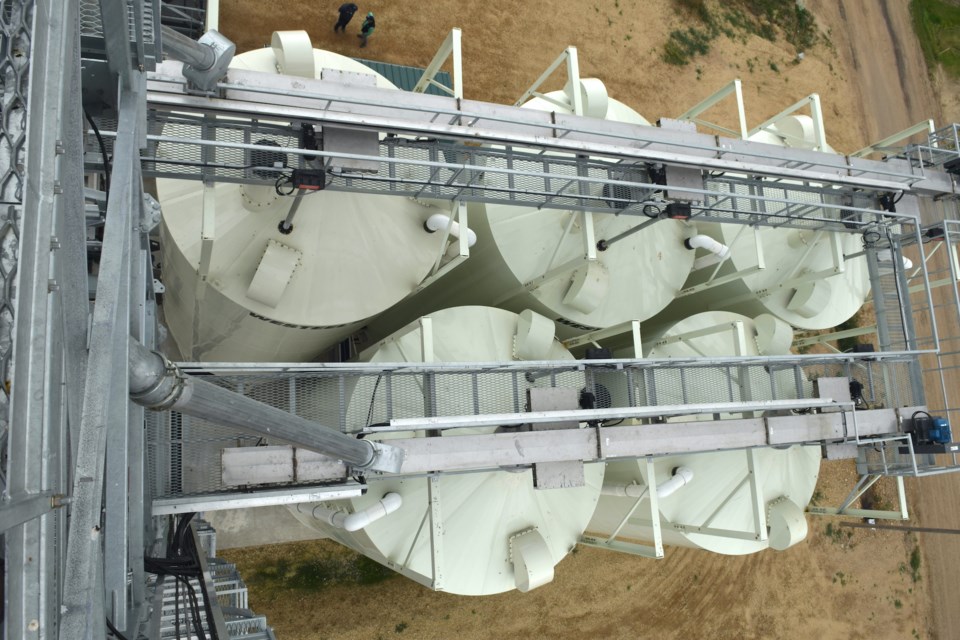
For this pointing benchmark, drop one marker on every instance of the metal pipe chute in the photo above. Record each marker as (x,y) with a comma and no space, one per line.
(205,61)
(158,384)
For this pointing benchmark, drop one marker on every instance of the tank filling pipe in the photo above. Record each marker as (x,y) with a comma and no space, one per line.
(186,50)
(438,222)
(158,384)
(681,476)
(205,61)
(357,520)
(718,251)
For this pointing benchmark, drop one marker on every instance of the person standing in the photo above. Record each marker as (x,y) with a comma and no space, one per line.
(366,30)
(347,10)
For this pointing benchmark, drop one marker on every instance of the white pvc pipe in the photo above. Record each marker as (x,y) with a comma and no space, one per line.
(718,251)
(439,222)
(681,476)
(357,520)
(624,490)
(885,255)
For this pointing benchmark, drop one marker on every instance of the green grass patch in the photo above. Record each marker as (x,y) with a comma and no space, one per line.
(685,44)
(915,564)
(937,24)
(737,19)
(317,572)
(834,533)
(796,23)
(695,8)
(848,344)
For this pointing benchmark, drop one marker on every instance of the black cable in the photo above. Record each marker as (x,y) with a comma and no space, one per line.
(181,572)
(282,180)
(182,563)
(189,592)
(870,237)
(207,604)
(373,398)
(184,530)
(114,631)
(103,153)
(194,604)
(173,566)
(177,541)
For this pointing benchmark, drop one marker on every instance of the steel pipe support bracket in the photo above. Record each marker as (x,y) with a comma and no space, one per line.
(386,458)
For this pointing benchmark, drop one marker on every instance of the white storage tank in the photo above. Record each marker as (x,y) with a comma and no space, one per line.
(712,334)
(798,275)
(632,280)
(496,531)
(717,497)
(252,293)
(711,491)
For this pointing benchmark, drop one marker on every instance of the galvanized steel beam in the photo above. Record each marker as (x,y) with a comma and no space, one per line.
(105,397)
(36,428)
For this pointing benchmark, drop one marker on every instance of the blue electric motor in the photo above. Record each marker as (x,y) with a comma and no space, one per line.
(939,431)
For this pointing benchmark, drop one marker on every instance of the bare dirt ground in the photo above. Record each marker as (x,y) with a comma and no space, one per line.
(869,72)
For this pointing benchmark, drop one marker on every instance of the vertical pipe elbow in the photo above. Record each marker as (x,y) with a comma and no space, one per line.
(153,381)
(439,221)
(718,250)
(681,477)
(146,367)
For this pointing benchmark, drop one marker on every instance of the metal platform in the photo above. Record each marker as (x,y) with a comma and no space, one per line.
(430,150)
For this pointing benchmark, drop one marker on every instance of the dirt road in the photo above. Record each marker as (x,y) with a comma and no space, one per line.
(895,91)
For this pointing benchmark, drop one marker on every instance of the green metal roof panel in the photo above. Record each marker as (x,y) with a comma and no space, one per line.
(407,77)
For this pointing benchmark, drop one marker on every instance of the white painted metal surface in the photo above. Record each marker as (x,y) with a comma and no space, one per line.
(717,510)
(797,275)
(723,508)
(547,260)
(453,532)
(239,289)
